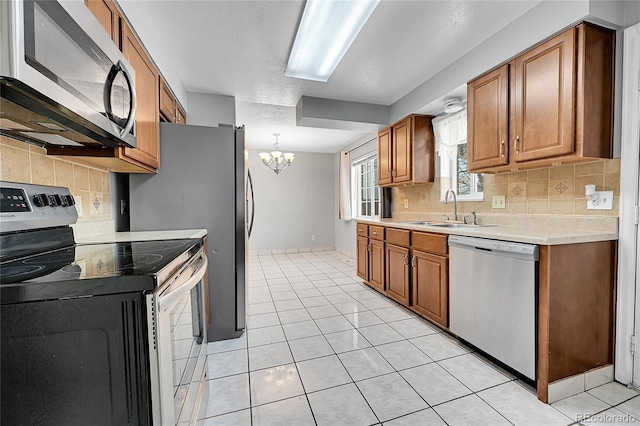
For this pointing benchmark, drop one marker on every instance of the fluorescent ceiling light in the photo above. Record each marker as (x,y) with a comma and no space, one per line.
(326,31)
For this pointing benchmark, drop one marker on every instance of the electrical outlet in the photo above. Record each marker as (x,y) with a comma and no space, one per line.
(498,202)
(602,200)
(406,204)
(313,238)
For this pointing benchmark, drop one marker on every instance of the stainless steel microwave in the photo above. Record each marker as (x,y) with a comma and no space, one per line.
(62,79)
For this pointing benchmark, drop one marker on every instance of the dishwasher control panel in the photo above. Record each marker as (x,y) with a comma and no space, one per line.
(497,247)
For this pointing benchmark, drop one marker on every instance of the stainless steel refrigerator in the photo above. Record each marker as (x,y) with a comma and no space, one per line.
(203,183)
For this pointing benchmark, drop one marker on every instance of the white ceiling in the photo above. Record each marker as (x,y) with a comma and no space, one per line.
(240,48)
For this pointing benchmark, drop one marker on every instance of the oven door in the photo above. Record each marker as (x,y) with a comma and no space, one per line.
(178,348)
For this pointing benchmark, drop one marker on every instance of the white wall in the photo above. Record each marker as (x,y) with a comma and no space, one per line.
(293,206)
(210,110)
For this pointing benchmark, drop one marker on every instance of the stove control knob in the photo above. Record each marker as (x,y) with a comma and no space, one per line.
(41,200)
(70,200)
(55,200)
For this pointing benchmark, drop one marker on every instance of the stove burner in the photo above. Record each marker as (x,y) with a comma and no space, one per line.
(19,271)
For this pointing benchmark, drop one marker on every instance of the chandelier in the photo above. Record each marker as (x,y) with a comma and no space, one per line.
(277,160)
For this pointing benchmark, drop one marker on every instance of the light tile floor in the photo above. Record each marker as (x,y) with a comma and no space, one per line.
(321,348)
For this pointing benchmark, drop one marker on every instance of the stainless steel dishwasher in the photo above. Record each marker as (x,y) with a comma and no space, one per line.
(492,298)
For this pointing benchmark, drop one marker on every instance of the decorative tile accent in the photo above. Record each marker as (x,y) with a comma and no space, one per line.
(517,190)
(96,203)
(560,188)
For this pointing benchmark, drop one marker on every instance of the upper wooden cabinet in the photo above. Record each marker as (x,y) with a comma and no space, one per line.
(147,151)
(170,109)
(384,157)
(107,13)
(406,152)
(560,104)
(154,98)
(487,119)
(181,116)
(167,102)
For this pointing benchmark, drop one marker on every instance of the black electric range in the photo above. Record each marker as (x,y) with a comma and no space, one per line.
(93,269)
(87,336)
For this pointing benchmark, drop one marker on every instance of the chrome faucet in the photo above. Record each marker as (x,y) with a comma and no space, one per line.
(455,202)
(473,220)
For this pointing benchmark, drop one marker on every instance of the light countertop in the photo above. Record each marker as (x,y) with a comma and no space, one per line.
(541,236)
(117,237)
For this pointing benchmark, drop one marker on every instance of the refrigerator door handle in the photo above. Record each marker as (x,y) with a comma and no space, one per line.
(253,205)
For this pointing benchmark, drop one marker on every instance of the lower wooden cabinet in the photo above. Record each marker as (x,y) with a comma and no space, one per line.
(397,272)
(363,258)
(376,264)
(430,283)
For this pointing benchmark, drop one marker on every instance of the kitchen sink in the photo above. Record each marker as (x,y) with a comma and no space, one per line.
(417,222)
(462,225)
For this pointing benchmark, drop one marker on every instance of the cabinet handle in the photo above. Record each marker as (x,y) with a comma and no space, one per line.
(502,149)
(406,259)
(369,247)
(375,233)
(515,144)
(413,262)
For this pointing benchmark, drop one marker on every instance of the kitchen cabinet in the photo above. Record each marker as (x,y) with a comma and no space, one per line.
(147,151)
(376,258)
(560,104)
(145,157)
(406,152)
(409,267)
(384,157)
(362,253)
(170,110)
(430,277)
(167,102)
(397,264)
(487,119)
(108,15)
(370,255)
(576,310)
(181,116)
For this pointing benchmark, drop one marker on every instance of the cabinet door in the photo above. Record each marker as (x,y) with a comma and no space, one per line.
(376,265)
(181,116)
(108,16)
(363,258)
(167,102)
(147,150)
(397,259)
(402,151)
(430,282)
(385,162)
(543,100)
(487,119)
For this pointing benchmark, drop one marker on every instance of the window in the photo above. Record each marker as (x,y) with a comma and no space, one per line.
(365,186)
(451,144)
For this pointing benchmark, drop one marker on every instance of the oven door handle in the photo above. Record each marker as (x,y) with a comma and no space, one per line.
(182,284)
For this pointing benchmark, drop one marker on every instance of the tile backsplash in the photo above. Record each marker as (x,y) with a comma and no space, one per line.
(26,163)
(557,190)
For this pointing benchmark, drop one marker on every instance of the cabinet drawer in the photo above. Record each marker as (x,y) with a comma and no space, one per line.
(398,237)
(434,243)
(363,230)
(376,232)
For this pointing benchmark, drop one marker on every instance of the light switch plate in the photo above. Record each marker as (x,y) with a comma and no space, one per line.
(498,202)
(602,201)
(406,204)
